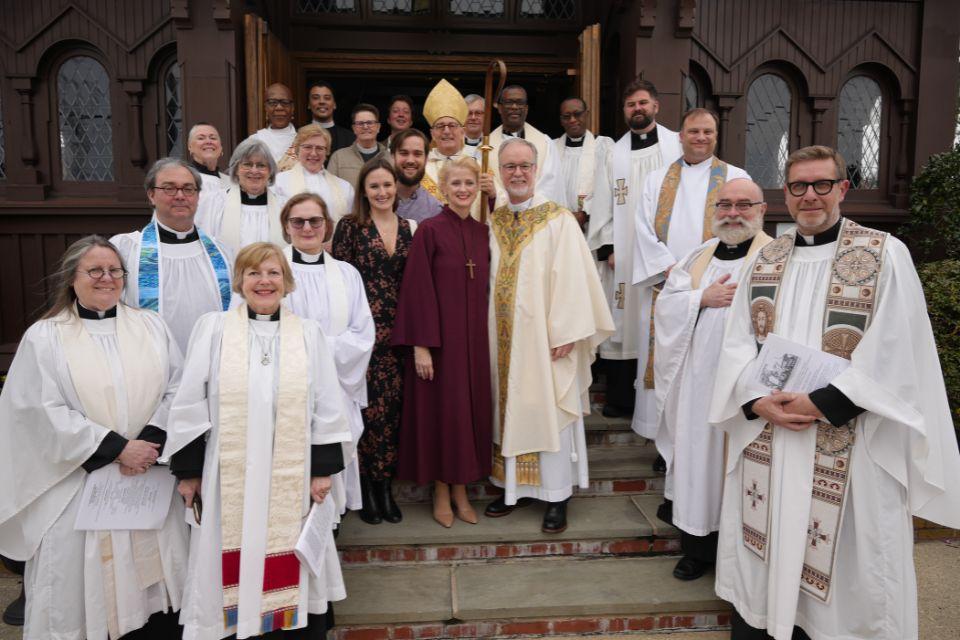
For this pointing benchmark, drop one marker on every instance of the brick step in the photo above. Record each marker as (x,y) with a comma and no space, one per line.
(598,526)
(524,597)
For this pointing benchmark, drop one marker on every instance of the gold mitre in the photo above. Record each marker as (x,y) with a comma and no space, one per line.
(445,101)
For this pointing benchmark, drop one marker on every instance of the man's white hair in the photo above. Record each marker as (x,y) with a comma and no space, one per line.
(511,141)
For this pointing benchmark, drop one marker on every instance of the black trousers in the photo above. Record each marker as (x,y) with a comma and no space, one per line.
(620,377)
(740,630)
(702,548)
(160,626)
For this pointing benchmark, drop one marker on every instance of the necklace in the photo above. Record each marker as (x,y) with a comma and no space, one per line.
(266,346)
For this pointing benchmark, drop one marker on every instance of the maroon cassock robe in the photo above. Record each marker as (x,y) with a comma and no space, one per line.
(446,423)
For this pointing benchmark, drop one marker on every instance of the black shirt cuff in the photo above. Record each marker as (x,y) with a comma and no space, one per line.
(604,252)
(188,462)
(110,447)
(748,410)
(325,459)
(153,434)
(837,408)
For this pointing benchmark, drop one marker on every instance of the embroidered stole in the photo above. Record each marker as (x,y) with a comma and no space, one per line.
(298,184)
(281,577)
(431,187)
(233,219)
(661,225)
(144,378)
(850,305)
(336,292)
(512,236)
(702,261)
(585,168)
(149,270)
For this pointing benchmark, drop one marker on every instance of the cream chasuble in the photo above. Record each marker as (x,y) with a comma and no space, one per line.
(531,251)
(336,192)
(902,454)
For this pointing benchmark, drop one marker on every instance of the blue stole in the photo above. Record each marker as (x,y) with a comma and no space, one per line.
(148,278)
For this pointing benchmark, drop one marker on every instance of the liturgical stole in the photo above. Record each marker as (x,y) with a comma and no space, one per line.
(586,166)
(851,296)
(298,184)
(289,475)
(232,216)
(337,288)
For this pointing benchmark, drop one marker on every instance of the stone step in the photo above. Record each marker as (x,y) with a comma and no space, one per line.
(598,526)
(537,596)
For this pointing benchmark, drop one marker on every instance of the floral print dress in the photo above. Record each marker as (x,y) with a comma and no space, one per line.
(361,246)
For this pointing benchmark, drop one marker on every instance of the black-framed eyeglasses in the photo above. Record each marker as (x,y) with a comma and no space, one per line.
(573,115)
(171,190)
(741,207)
(116,273)
(365,124)
(820,187)
(317,222)
(513,104)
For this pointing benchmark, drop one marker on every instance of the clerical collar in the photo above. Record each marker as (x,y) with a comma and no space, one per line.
(253,201)
(171,236)
(824,237)
(253,315)
(326,125)
(702,163)
(575,142)
(307,258)
(365,151)
(88,314)
(643,140)
(518,134)
(732,252)
(472,142)
(522,206)
(202,168)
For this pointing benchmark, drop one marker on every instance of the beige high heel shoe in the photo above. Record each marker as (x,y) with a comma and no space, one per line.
(442,512)
(464,510)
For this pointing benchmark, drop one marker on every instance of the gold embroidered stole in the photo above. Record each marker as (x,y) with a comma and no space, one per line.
(665,201)
(513,234)
(432,188)
(699,266)
(281,578)
(144,378)
(851,295)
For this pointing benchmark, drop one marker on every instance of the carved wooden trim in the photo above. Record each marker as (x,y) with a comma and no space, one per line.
(28,143)
(686,18)
(138,149)
(648,18)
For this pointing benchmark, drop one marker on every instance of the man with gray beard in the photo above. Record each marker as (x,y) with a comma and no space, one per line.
(689,321)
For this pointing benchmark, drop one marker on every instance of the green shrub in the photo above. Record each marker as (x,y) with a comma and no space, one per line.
(934,226)
(941,285)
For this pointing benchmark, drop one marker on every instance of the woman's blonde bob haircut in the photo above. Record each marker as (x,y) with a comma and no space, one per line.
(463,162)
(308,131)
(254,255)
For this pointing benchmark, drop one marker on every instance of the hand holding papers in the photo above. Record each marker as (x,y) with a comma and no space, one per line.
(784,365)
(112,501)
(317,533)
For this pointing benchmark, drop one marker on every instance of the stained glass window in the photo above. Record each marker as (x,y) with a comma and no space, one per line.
(548,9)
(477,8)
(326,6)
(401,7)
(858,131)
(768,130)
(86,129)
(173,111)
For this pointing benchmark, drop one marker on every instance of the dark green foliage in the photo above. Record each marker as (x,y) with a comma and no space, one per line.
(934,226)
(941,285)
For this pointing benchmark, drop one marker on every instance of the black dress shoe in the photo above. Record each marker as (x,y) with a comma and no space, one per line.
(615,411)
(665,511)
(499,508)
(660,465)
(689,568)
(15,610)
(389,511)
(369,512)
(555,517)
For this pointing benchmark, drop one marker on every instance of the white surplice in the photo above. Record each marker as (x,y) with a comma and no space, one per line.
(46,438)
(336,192)
(652,258)
(688,341)
(581,170)
(196,412)
(277,140)
(255,220)
(904,460)
(351,349)
(188,287)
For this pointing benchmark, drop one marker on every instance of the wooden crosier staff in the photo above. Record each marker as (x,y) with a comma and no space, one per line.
(485,148)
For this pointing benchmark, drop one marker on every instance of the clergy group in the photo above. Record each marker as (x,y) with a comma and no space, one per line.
(333,313)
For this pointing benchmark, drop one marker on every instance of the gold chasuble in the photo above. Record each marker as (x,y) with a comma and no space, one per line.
(546,294)
(281,577)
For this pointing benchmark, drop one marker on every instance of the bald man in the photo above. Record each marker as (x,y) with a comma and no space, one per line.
(689,321)
(279,133)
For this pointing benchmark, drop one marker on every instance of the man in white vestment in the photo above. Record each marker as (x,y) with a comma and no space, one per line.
(174,268)
(473,127)
(822,480)
(581,157)
(323,105)
(674,217)
(547,316)
(279,133)
(689,321)
(513,107)
(446,111)
(409,152)
(610,232)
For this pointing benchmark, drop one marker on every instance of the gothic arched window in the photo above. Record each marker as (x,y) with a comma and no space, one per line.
(768,129)
(86,131)
(858,131)
(173,111)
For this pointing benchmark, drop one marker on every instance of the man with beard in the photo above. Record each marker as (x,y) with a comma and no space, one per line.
(690,314)
(646,147)
(473,128)
(322,106)
(409,149)
(279,133)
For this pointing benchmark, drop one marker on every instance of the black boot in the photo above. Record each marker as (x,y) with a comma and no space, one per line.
(555,518)
(659,465)
(15,610)
(369,513)
(383,490)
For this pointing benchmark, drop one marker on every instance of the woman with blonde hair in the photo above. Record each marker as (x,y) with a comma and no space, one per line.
(312,146)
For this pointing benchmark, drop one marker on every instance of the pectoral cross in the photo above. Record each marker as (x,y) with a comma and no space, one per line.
(618,296)
(470,266)
(621,191)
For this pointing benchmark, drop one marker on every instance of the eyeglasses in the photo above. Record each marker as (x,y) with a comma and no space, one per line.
(573,115)
(115,273)
(273,104)
(260,166)
(511,168)
(365,124)
(317,222)
(820,187)
(741,207)
(310,148)
(171,190)
(513,104)
(449,126)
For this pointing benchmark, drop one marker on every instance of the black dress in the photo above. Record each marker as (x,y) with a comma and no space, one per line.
(361,246)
